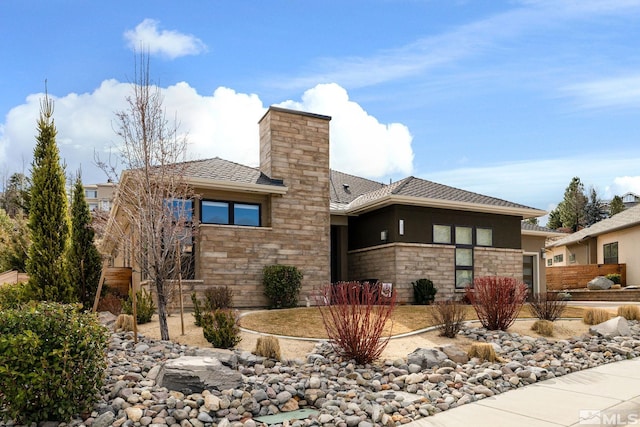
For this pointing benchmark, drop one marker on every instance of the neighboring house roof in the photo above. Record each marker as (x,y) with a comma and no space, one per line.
(529,229)
(625,219)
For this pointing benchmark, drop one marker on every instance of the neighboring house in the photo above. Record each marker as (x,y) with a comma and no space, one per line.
(99,197)
(333,226)
(614,240)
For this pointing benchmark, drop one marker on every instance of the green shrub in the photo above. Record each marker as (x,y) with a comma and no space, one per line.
(214,298)
(424,291)
(615,278)
(282,285)
(220,328)
(14,295)
(198,310)
(52,362)
(144,306)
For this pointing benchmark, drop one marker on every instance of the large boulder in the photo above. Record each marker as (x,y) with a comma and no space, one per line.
(599,283)
(193,374)
(426,357)
(455,353)
(616,327)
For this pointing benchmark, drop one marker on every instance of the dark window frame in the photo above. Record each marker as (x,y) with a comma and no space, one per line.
(231,212)
(471,246)
(608,247)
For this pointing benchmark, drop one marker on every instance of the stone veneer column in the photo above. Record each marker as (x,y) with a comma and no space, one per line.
(294,147)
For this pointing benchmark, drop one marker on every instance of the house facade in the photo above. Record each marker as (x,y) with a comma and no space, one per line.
(615,240)
(294,210)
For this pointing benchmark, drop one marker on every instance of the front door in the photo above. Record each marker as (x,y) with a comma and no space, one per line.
(528,264)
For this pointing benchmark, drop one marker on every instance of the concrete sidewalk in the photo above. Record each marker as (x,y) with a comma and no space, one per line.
(608,395)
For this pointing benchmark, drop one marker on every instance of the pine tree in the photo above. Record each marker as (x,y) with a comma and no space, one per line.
(572,207)
(616,206)
(83,258)
(554,222)
(48,215)
(593,211)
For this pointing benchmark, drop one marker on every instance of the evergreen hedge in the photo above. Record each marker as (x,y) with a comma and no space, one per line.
(52,362)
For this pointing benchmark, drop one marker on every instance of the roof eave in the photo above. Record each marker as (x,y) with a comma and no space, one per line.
(525,213)
(594,234)
(543,233)
(244,187)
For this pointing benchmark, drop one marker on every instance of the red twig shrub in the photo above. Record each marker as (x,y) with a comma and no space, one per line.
(497,300)
(354,316)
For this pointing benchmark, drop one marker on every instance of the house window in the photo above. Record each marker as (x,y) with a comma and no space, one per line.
(610,253)
(182,209)
(231,213)
(442,234)
(464,256)
(484,237)
(91,194)
(245,214)
(464,236)
(549,262)
(572,258)
(558,258)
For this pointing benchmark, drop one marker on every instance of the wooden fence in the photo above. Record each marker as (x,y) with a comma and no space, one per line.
(577,276)
(117,279)
(12,277)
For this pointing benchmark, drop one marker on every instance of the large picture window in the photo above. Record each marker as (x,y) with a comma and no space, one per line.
(610,253)
(230,213)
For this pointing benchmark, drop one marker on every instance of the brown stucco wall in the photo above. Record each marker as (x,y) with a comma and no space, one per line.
(294,147)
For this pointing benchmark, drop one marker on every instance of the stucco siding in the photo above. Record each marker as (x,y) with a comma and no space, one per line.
(628,251)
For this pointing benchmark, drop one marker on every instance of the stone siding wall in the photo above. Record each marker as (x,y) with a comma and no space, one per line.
(497,262)
(403,263)
(294,147)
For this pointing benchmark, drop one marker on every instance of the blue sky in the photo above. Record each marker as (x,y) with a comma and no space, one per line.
(506,98)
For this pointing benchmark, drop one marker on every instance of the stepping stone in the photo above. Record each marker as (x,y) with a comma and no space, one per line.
(280,418)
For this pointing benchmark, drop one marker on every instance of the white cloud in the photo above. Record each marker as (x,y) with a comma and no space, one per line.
(224,124)
(171,44)
(424,57)
(611,92)
(625,184)
(360,144)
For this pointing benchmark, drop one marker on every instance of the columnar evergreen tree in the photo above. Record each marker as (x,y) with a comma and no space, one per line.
(84,261)
(48,215)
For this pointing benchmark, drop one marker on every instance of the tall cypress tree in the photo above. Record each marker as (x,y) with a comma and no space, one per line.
(48,215)
(84,261)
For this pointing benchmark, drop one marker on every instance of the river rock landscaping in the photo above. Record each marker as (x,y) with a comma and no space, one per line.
(335,392)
